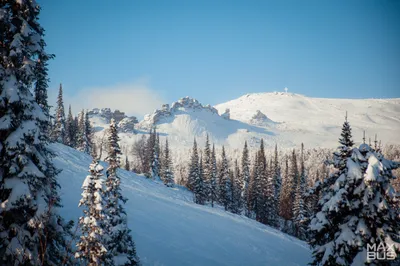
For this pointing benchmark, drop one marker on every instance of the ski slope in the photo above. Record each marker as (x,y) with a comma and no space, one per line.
(169,229)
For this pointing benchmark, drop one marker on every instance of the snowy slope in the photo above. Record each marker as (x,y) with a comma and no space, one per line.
(317,121)
(283,118)
(169,229)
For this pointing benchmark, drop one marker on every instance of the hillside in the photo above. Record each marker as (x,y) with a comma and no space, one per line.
(169,229)
(317,121)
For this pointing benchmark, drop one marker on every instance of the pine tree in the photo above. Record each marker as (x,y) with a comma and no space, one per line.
(28,187)
(40,89)
(70,129)
(198,188)
(260,184)
(58,133)
(91,246)
(213,179)
(120,246)
(294,179)
(149,154)
(252,197)
(224,182)
(299,210)
(155,164)
(285,202)
(245,179)
(167,173)
(270,201)
(236,185)
(346,215)
(127,166)
(277,178)
(85,133)
(193,168)
(207,170)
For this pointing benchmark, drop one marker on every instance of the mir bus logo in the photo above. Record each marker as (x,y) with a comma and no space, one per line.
(381,252)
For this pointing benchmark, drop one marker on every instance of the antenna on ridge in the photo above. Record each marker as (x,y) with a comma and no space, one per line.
(364,137)
(346,117)
(369,142)
(286,89)
(376,142)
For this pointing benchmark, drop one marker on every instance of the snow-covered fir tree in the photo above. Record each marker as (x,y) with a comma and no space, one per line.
(294,179)
(299,211)
(198,188)
(167,173)
(285,201)
(213,178)
(207,169)
(155,164)
(270,202)
(28,187)
(58,132)
(355,209)
(252,198)
(277,178)
(236,189)
(245,179)
(148,153)
(119,244)
(70,129)
(40,89)
(260,180)
(193,167)
(127,165)
(224,181)
(84,140)
(92,243)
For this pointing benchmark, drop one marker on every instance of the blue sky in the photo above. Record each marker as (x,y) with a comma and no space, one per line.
(143,53)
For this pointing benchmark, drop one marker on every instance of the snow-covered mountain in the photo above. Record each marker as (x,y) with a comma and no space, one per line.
(283,118)
(169,229)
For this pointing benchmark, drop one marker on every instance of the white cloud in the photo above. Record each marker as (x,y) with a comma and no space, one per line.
(134,99)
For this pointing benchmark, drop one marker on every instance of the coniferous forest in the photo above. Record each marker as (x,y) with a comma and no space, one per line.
(338,201)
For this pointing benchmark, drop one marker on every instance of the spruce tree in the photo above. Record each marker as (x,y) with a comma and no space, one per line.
(270,202)
(127,166)
(277,178)
(58,133)
(260,184)
(92,243)
(285,201)
(40,89)
(149,153)
(119,244)
(236,189)
(224,182)
(299,208)
(339,226)
(245,179)
(155,164)
(193,167)
(167,173)
(85,133)
(252,197)
(294,179)
(70,129)
(198,188)
(213,178)
(28,187)
(207,169)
